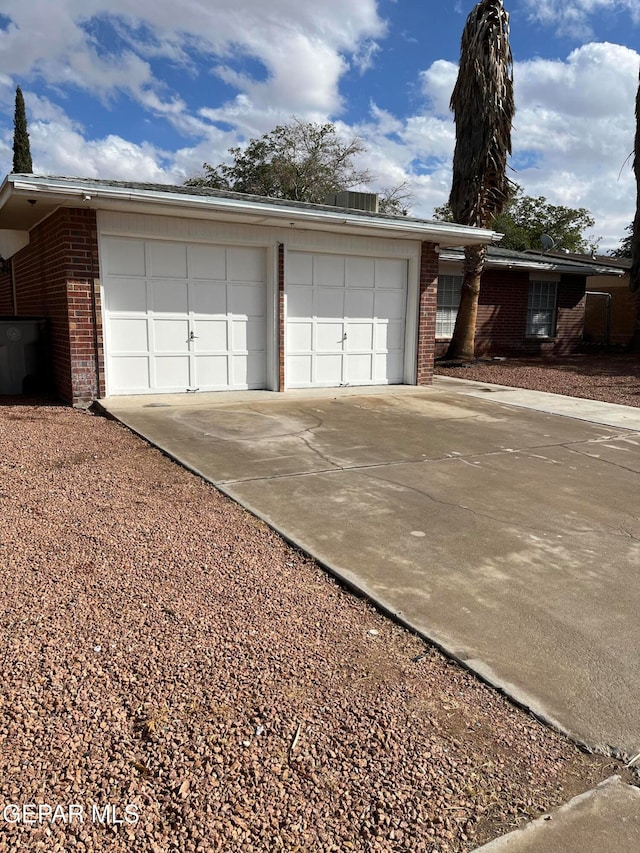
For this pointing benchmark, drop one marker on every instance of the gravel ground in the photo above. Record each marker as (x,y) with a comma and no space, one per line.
(169,661)
(611,378)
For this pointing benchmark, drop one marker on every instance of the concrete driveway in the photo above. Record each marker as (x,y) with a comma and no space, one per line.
(507,535)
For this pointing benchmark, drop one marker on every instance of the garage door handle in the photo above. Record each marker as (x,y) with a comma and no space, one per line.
(344,337)
(192,337)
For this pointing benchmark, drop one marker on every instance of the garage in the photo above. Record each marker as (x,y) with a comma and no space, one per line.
(346,318)
(183,316)
(163,289)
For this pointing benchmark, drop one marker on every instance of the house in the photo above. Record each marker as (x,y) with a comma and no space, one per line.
(611,310)
(161,289)
(530,303)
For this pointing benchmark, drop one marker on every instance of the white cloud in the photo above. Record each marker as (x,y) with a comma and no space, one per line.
(573,17)
(317,40)
(573,128)
(573,132)
(437,84)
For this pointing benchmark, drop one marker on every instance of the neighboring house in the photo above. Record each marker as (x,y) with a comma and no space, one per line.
(530,303)
(151,289)
(611,318)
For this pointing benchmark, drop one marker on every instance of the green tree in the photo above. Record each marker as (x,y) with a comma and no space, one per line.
(483,107)
(525,219)
(302,160)
(21,149)
(624,249)
(396,201)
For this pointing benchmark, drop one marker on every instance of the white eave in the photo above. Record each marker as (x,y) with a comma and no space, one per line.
(25,200)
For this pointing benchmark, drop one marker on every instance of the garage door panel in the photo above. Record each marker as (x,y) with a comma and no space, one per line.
(328,271)
(389,335)
(358,368)
(389,305)
(212,371)
(169,297)
(211,336)
(127,294)
(171,335)
(130,334)
(299,268)
(329,337)
(328,367)
(359,336)
(166,260)
(246,300)
(299,301)
(171,372)
(358,304)
(329,303)
(299,370)
(359,272)
(248,335)
(389,367)
(249,371)
(300,336)
(208,262)
(245,264)
(391,274)
(210,298)
(123,256)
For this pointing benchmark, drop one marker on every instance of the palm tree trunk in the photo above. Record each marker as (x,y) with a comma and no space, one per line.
(462,346)
(634,277)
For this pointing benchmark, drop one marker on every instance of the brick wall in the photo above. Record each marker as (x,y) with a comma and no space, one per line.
(6,294)
(570,318)
(56,277)
(427,304)
(502,316)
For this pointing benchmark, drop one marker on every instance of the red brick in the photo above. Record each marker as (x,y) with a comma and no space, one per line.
(56,277)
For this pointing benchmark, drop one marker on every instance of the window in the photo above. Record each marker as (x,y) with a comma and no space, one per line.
(541,309)
(448,302)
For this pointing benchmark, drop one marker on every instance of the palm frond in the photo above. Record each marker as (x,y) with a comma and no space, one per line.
(483,106)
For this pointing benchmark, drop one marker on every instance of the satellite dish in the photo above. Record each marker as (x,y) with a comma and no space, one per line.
(547,242)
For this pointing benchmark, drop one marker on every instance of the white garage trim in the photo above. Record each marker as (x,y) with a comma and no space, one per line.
(183,316)
(346,320)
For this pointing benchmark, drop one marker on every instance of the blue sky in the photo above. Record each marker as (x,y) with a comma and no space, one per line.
(131,89)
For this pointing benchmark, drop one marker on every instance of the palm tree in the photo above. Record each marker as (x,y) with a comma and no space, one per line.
(634,278)
(483,108)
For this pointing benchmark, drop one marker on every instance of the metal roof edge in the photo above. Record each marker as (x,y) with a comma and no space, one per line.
(91,191)
(555,265)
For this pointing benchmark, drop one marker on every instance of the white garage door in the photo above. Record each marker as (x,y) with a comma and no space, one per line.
(183,316)
(345,320)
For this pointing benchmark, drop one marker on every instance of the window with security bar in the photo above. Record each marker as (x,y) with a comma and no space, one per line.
(541,309)
(448,302)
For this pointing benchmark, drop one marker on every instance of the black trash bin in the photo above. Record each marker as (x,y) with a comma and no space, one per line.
(24,359)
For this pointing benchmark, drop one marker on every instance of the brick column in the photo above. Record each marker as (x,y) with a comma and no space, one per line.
(427,304)
(281,317)
(83,298)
